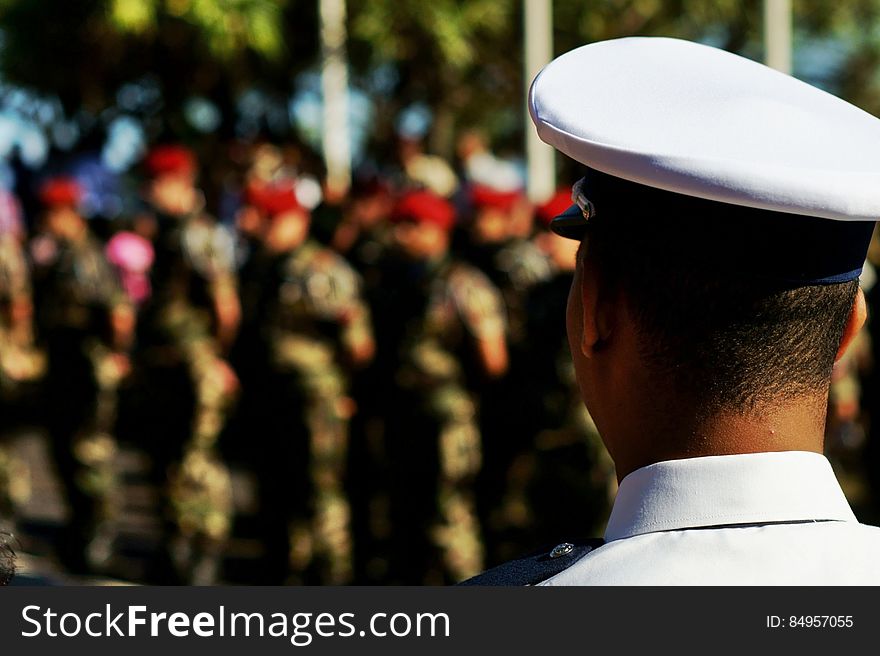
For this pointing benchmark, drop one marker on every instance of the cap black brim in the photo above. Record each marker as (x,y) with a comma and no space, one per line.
(571,224)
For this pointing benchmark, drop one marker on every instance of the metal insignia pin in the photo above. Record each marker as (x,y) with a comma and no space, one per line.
(562,550)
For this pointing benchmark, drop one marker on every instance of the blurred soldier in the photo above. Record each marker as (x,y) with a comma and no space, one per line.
(266,167)
(364,238)
(482,167)
(451,333)
(184,388)
(19,361)
(499,231)
(564,442)
(311,325)
(420,169)
(248,354)
(87,325)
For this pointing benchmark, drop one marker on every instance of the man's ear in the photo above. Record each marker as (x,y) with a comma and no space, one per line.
(596,320)
(857,316)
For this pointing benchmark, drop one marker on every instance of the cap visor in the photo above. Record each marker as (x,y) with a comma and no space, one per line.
(571,224)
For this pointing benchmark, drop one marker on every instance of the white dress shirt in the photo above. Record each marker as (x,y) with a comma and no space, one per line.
(749,519)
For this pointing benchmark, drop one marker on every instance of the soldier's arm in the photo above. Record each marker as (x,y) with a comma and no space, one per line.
(122,323)
(343,303)
(224,285)
(492,353)
(20,294)
(118,308)
(114,364)
(21,317)
(357,334)
(227,308)
(19,359)
(481,308)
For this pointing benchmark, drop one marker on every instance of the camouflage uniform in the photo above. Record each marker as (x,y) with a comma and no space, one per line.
(516,266)
(19,363)
(368,252)
(311,313)
(368,462)
(563,440)
(180,400)
(435,442)
(76,293)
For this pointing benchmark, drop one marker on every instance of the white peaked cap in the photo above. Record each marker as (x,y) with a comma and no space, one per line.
(698,121)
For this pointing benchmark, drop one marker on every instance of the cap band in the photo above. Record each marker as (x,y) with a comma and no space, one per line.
(785,248)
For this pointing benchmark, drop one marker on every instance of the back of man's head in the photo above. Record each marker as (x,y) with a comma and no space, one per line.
(709,332)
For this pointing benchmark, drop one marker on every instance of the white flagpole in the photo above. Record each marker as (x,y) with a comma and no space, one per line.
(777,34)
(334,85)
(540,158)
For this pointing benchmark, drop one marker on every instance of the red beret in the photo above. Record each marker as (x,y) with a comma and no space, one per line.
(163,160)
(483,196)
(558,203)
(60,191)
(273,199)
(424,207)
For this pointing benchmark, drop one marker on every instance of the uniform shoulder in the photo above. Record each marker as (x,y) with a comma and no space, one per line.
(525,263)
(317,259)
(467,282)
(208,245)
(325,277)
(459,270)
(323,257)
(538,566)
(478,300)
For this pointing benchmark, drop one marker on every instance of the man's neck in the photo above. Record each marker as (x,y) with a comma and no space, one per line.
(793,426)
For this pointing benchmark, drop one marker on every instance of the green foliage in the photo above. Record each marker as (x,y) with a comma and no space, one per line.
(447,30)
(228,26)
(136,16)
(462,58)
(730,23)
(855,26)
(84,50)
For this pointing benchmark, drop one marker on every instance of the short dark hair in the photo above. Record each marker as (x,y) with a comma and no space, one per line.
(723,339)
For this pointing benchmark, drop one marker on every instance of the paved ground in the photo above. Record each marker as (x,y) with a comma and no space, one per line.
(45,513)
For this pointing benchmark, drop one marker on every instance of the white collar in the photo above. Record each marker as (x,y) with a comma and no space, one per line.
(754,488)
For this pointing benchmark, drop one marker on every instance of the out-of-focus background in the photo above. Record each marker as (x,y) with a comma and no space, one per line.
(278,302)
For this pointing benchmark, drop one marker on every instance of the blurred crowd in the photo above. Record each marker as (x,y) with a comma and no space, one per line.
(389,364)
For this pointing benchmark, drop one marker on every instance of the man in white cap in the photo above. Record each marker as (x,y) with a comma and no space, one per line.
(724,219)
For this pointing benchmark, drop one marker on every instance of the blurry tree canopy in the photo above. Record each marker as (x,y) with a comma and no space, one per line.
(462,59)
(227,27)
(83,51)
